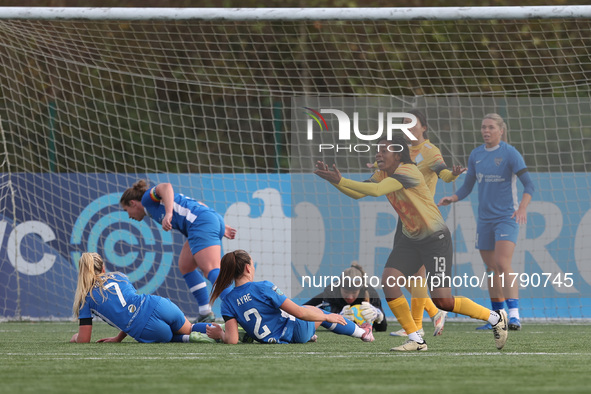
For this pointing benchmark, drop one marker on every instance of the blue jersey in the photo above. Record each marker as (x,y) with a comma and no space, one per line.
(496,171)
(185,210)
(256,307)
(121,306)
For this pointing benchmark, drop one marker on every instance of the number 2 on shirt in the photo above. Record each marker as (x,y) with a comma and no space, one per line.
(257,323)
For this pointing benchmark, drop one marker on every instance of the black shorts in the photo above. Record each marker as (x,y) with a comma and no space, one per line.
(434,252)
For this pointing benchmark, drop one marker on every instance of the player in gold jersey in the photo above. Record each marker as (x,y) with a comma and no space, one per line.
(425,239)
(431,164)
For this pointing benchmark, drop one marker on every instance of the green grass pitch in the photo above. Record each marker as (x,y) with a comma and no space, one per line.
(543,358)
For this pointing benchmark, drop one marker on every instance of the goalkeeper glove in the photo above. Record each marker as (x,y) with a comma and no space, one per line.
(370,313)
(347,312)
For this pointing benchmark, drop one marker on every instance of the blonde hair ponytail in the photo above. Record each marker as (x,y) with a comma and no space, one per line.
(90,274)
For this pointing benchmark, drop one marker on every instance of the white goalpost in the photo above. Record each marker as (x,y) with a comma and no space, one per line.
(215,101)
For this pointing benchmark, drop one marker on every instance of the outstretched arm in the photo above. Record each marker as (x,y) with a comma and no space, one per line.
(311,313)
(324,172)
(447,200)
(386,186)
(353,188)
(449,176)
(461,193)
(334,176)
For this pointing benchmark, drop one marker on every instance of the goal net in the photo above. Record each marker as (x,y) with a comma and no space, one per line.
(215,102)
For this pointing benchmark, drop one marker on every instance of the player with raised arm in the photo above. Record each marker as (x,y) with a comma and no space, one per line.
(496,166)
(425,239)
(431,164)
(203,227)
(265,313)
(112,297)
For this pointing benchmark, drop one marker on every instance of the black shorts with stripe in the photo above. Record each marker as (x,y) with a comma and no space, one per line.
(434,252)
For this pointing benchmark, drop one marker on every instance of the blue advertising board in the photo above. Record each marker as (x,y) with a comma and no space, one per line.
(294,225)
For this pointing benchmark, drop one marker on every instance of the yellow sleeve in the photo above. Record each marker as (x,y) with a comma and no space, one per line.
(386,186)
(447,176)
(348,192)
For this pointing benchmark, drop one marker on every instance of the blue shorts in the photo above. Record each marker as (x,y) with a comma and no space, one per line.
(302,331)
(166,319)
(488,233)
(207,230)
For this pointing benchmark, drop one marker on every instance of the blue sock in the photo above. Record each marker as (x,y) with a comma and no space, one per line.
(349,329)
(197,287)
(212,276)
(497,306)
(177,338)
(199,327)
(512,303)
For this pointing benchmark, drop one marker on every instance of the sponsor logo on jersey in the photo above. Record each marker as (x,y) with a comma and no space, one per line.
(277,290)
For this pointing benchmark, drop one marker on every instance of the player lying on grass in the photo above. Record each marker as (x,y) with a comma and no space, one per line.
(112,297)
(265,313)
(348,298)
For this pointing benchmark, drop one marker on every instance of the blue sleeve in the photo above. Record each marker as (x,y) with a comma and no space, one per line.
(517,162)
(528,184)
(150,198)
(85,312)
(274,294)
(520,169)
(226,310)
(470,179)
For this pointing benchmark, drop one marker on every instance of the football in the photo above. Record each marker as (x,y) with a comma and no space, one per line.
(357,317)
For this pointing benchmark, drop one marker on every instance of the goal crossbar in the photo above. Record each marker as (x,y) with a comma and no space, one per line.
(243,14)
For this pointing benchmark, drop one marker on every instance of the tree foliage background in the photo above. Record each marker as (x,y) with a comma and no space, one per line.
(130,77)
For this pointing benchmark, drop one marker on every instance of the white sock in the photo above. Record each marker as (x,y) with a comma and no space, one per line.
(185,338)
(204,309)
(415,336)
(514,312)
(358,332)
(494,318)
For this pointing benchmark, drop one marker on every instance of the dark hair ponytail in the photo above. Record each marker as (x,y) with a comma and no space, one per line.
(231,268)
